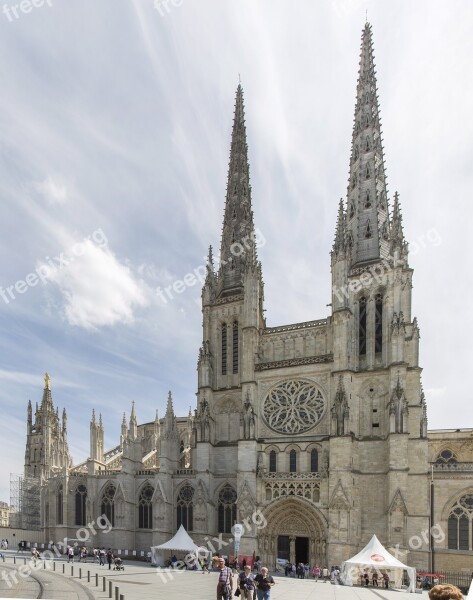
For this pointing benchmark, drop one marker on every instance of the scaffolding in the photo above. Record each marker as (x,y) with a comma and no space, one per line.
(25,500)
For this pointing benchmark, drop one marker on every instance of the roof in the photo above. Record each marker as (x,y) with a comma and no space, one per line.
(375,554)
(181,541)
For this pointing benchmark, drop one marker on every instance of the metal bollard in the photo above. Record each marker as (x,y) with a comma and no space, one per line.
(88,576)
(54,565)
(72,571)
(14,560)
(96,580)
(44,564)
(117,592)
(80,572)
(104,582)
(24,561)
(63,568)
(122,596)
(110,585)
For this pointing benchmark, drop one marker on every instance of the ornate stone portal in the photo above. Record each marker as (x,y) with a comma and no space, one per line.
(294,518)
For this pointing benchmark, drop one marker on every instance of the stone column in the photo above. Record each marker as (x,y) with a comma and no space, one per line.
(292,549)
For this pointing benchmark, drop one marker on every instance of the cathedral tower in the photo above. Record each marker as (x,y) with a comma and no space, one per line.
(46,444)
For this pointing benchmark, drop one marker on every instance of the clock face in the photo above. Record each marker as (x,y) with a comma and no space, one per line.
(293,406)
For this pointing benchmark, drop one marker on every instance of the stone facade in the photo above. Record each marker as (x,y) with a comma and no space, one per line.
(313,435)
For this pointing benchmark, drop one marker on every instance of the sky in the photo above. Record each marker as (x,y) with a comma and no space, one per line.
(115,124)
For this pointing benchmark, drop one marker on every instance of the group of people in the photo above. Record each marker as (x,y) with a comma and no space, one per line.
(248,585)
(100,555)
(301,571)
(376,577)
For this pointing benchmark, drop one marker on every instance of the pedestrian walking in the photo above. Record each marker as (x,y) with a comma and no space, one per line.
(109,558)
(246,583)
(264,582)
(225,581)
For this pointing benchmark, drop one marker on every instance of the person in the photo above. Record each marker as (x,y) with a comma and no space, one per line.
(70,554)
(34,555)
(316,572)
(293,569)
(264,582)
(225,581)
(326,574)
(366,577)
(386,580)
(109,558)
(102,556)
(374,579)
(445,591)
(246,583)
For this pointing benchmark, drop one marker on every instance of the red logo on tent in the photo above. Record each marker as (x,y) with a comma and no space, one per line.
(377,557)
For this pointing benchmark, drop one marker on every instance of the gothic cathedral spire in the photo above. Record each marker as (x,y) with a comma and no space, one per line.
(238,247)
(367,203)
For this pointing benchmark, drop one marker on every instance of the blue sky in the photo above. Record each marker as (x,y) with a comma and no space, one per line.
(115,128)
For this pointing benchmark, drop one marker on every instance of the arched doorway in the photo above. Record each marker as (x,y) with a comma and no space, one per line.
(295,530)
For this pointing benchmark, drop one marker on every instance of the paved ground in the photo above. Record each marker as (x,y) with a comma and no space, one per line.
(141,581)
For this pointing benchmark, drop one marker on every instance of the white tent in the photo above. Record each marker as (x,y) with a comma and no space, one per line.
(470,591)
(374,556)
(181,542)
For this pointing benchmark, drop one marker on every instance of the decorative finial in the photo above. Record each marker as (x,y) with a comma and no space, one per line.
(47,381)
(239,79)
(366,21)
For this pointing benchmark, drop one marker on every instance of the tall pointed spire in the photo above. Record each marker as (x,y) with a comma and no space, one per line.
(238,248)
(367,203)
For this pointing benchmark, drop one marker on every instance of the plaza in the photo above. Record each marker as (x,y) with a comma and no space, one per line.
(142,581)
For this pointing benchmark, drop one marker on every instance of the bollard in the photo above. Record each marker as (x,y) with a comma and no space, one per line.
(54,565)
(104,581)
(44,564)
(24,561)
(110,585)
(14,560)
(72,571)
(122,596)
(88,576)
(63,568)
(80,572)
(117,592)
(96,580)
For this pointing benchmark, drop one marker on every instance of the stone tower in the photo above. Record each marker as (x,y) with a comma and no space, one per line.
(46,443)
(378,414)
(232,306)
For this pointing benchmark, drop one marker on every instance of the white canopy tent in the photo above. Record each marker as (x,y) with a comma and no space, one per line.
(374,556)
(181,542)
(470,591)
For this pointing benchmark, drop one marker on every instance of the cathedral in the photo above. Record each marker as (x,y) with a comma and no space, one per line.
(312,435)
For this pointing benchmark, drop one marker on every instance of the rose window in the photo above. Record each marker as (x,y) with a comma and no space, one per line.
(293,407)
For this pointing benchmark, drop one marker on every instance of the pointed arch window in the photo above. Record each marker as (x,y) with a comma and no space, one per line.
(367,199)
(362,326)
(352,209)
(367,172)
(314,461)
(367,120)
(227,512)
(292,461)
(107,504)
(367,145)
(460,524)
(235,347)
(378,323)
(80,498)
(272,461)
(185,508)
(368,231)
(145,508)
(59,505)
(356,153)
(224,348)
